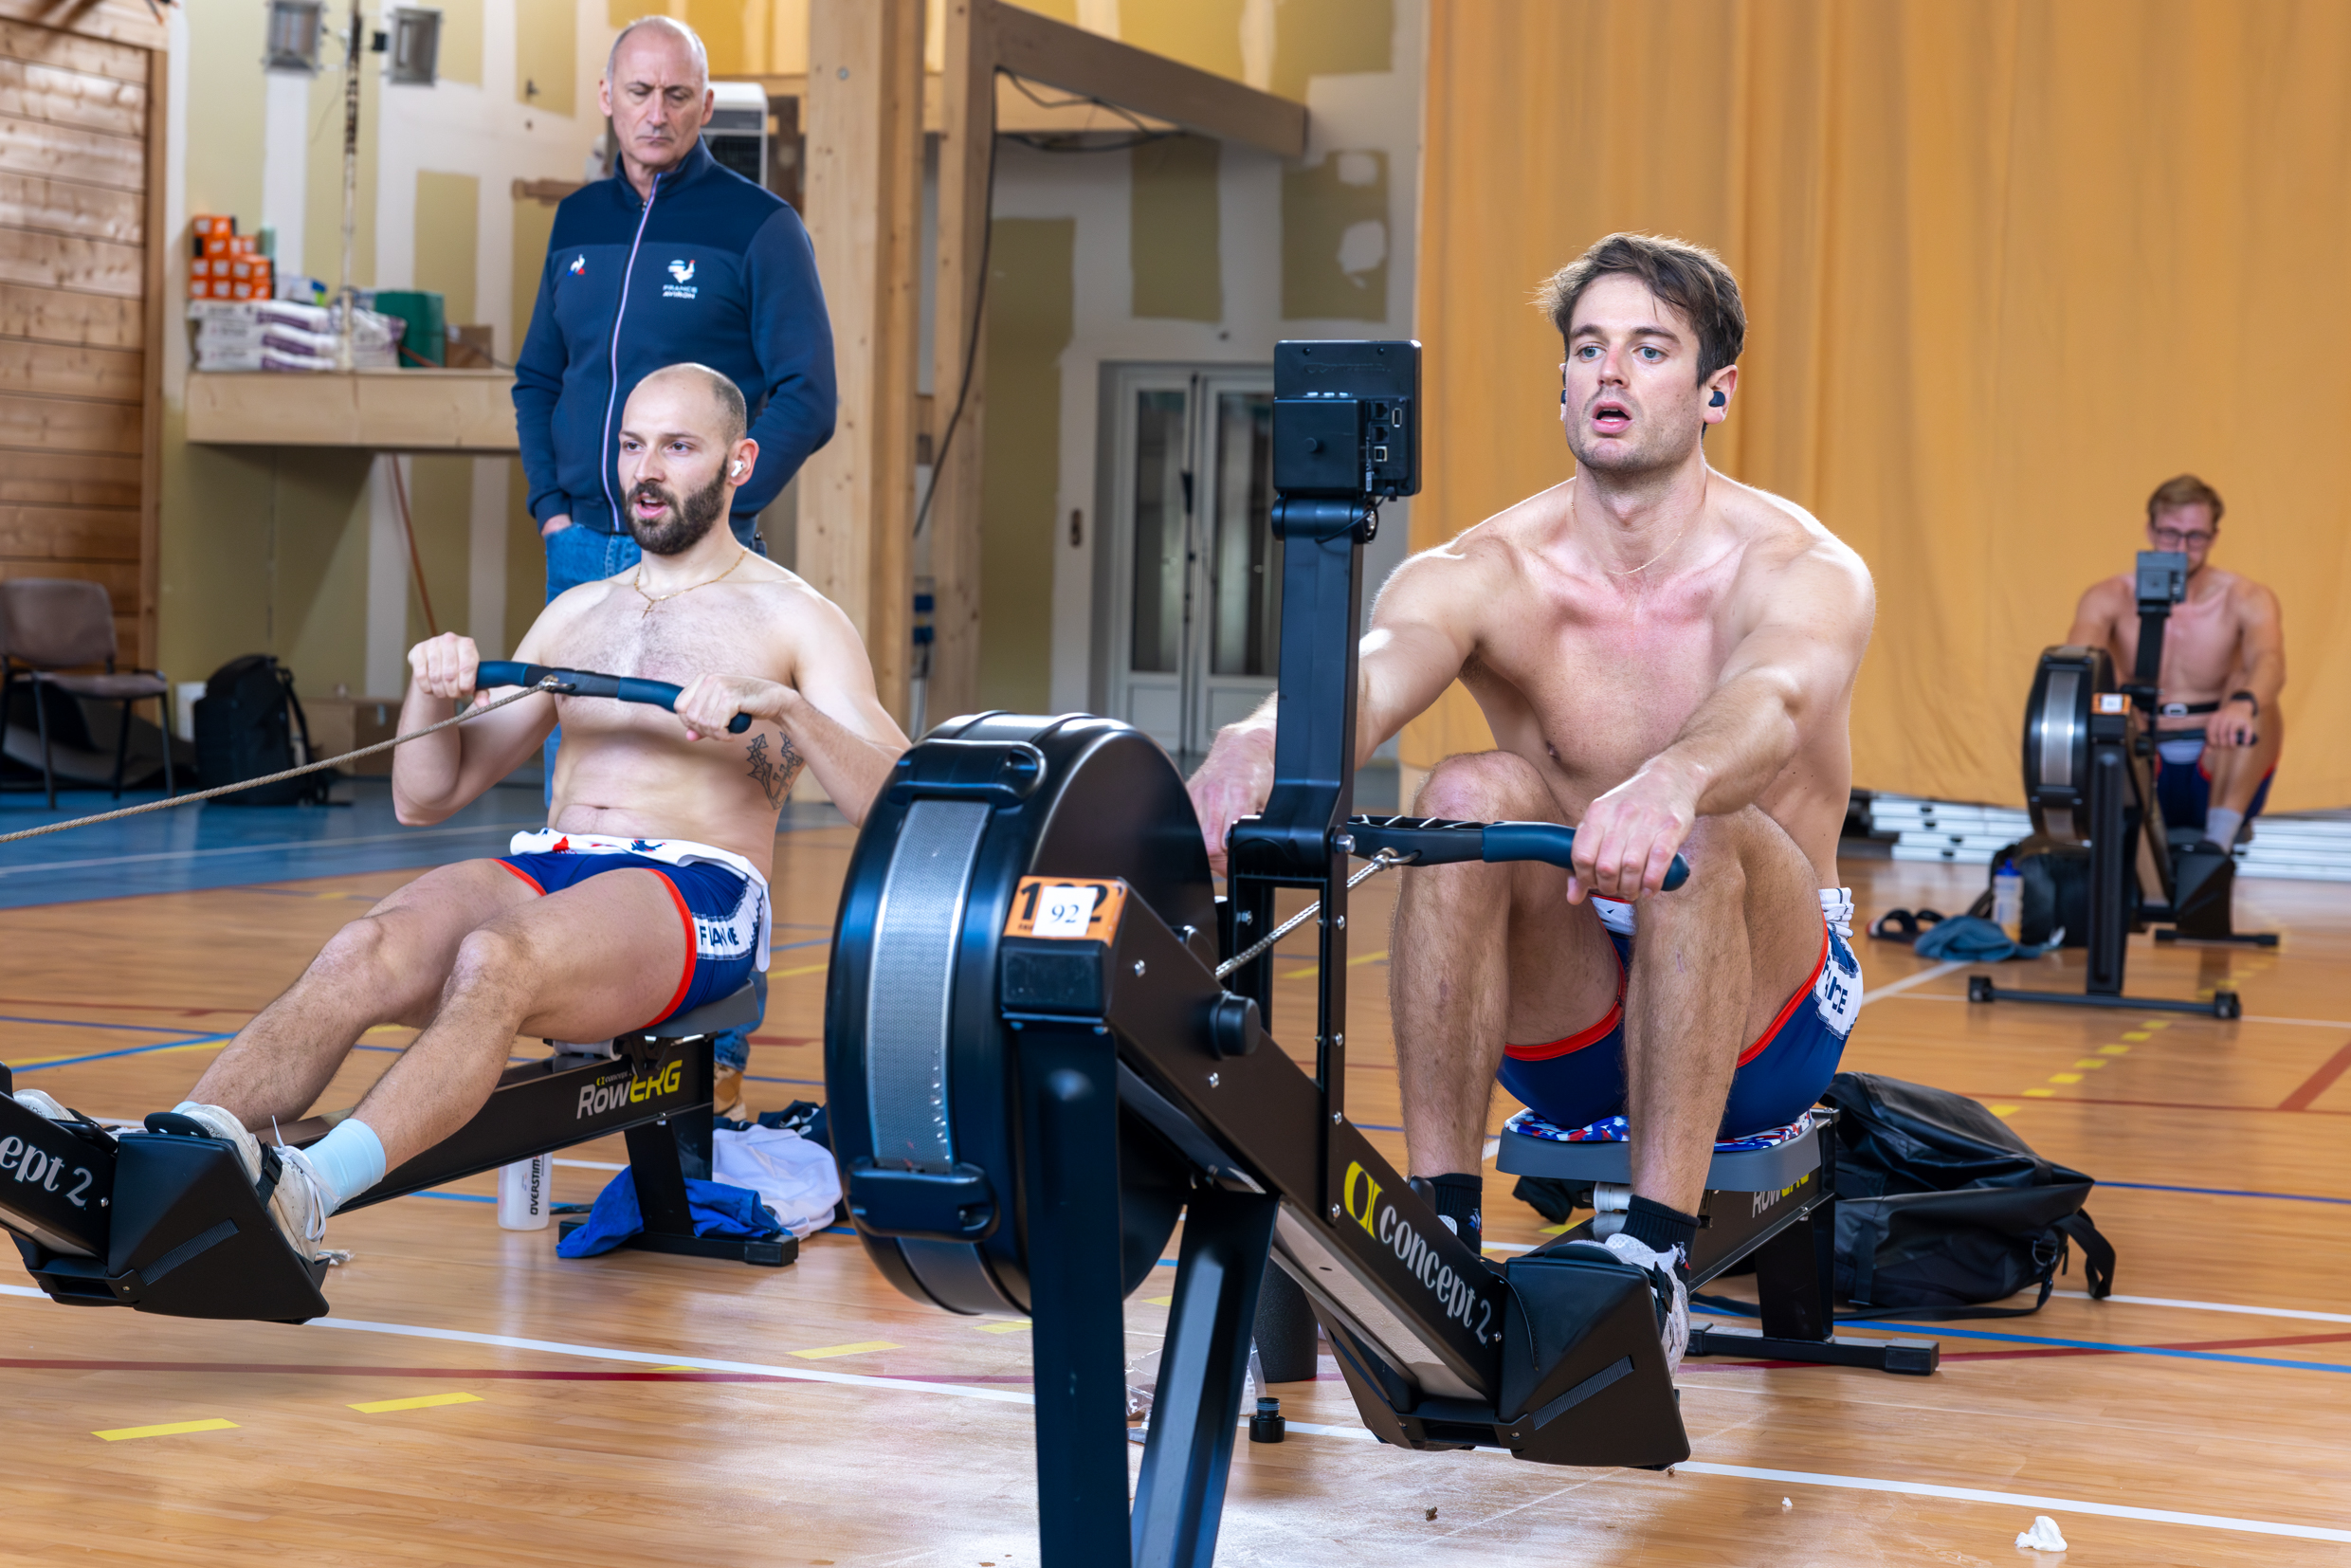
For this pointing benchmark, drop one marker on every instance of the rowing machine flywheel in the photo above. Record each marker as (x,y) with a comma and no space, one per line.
(2056,739)
(918,1056)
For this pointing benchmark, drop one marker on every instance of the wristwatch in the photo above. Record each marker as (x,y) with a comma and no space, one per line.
(2247,696)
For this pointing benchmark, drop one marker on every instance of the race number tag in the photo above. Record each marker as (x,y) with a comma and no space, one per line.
(1065,909)
(2112,701)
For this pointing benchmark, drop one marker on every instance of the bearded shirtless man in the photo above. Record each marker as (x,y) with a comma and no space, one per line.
(2217,729)
(647,893)
(1666,658)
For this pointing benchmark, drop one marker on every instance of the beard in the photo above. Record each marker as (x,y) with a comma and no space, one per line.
(684,523)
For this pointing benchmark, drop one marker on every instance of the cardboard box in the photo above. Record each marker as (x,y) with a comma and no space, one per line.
(220,287)
(215,245)
(340,724)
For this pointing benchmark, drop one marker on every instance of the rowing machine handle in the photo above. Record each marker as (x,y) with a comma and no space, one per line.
(1435,841)
(582,682)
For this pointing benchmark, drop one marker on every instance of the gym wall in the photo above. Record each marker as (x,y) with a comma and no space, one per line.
(2008,266)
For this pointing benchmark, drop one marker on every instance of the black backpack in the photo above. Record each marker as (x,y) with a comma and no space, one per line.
(245,723)
(1940,1206)
(2057,890)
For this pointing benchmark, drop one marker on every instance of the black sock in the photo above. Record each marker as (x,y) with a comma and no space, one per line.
(1458,1197)
(1661,1229)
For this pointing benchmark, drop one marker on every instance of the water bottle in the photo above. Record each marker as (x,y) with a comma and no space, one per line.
(525,1193)
(2008,901)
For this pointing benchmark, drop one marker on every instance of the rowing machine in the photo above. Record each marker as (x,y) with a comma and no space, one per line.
(1033,1068)
(2088,781)
(164,1221)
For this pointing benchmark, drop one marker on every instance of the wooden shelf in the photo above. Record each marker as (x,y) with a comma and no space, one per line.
(408,410)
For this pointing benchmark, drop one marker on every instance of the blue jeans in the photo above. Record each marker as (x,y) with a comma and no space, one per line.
(581,555)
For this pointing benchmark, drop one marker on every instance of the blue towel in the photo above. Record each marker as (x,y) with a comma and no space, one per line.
(718,1210)
(1970,940)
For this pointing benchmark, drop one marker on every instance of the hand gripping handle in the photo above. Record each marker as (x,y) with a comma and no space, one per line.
(582,682)
(1434,841)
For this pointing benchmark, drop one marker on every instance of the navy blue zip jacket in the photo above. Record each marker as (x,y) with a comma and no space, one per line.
(712,268)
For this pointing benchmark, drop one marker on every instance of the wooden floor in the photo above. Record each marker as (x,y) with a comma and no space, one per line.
(645,1410)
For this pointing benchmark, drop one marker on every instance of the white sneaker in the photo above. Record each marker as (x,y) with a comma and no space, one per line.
(42,1104)
(298,1202)
(1672,1295)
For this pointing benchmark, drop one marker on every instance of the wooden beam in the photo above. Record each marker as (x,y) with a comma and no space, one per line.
(864,196)
(959,352)
(1017,114)
(1087,64)
(131,22)
(150,372)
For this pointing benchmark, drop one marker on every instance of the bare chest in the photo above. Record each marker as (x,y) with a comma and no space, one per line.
(1606,679)
(674,641)
(2201,643)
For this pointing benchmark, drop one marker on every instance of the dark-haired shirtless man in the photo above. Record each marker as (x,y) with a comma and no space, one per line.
(2217,728)
(647,893)
(1666,658)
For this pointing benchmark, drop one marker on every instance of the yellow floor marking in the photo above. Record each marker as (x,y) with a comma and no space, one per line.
(391,1029)
(2156,1023)
(1160,1301)
(1013,1327)
(2004,1110)
(422,1401)
(2039,1094)
(804,969)
(2137,1034)
(827,1352)
(2114,1051)
(2065,1078)
(2091,1062)
(1558,1230)
(1311,969)
(169,1429)
(674,1369)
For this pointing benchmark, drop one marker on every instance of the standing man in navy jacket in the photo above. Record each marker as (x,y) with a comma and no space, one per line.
(673,259)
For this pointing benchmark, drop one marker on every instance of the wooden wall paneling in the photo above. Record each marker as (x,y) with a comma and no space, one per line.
(70,533)
(73,52)
(32,91)
(53,261)
(65,152)
(959,356)
(69,425)
(864,207)
(56,315)
(54,479)
(75,27)
(117,374)
(82,211)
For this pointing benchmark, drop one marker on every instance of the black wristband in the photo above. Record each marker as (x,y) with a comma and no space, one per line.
(2247,696)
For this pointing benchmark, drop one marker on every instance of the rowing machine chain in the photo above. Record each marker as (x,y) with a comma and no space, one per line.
(1380,862)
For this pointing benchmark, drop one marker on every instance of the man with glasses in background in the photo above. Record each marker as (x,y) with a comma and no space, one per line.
(2217,729)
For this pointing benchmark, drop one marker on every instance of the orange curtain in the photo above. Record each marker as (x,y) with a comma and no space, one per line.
(2008,264)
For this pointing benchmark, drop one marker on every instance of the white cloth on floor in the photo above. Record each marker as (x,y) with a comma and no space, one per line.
(794,1177)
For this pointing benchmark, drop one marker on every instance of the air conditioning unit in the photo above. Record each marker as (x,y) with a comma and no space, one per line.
(737,133)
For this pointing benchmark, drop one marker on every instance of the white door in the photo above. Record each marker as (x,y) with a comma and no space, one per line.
(1196,572)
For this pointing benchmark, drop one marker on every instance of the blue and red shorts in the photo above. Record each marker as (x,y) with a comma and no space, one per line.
(2183,780)
(1580,1080)
(720,907)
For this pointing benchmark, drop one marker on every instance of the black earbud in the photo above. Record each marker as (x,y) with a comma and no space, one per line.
(1716,400)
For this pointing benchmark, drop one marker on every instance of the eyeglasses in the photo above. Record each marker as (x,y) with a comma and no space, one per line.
(2172,538)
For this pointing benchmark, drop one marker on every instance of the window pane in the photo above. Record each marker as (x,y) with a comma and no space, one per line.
(1159,532)
(1246,564)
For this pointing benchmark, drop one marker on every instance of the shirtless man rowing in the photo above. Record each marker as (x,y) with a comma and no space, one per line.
(1666,658)
(646,895)
(2217,729)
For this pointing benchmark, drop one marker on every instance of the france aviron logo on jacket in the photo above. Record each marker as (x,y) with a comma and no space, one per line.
(682,289)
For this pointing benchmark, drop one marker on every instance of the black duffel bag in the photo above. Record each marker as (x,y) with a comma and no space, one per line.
(2056,891)
(1940,1207)
(247,722)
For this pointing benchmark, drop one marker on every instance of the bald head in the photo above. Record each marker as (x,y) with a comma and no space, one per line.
(727,415)
(662,33)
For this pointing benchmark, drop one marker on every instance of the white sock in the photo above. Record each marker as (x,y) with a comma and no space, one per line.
(2220,825)
(347,1162)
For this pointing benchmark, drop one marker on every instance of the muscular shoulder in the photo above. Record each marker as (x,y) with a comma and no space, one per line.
(803,620)
(1791,558)
(2249,600)
(1474,567)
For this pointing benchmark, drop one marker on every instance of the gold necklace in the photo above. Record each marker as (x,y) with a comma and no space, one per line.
(651,599)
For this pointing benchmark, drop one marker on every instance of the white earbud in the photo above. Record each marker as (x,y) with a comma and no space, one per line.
(735,470)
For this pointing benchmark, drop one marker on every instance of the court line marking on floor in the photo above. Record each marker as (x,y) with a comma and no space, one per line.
(421,1401)
(169,1429)
(1895,988)
(2109,1346)
(1927,1489)
(2225,1192)
(196,1043)
(2217,1306)
(279,846)
(591,1164)
(1009,1396)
